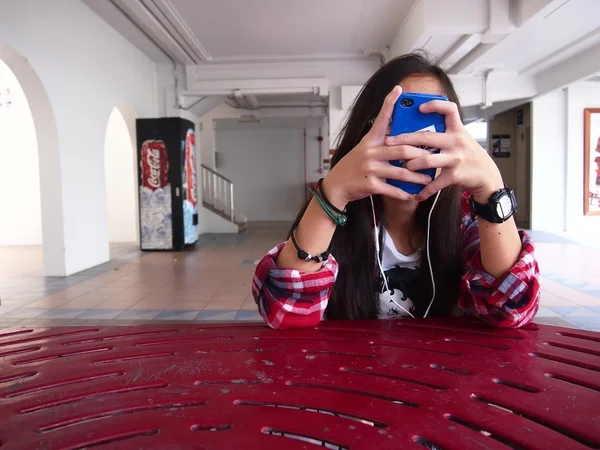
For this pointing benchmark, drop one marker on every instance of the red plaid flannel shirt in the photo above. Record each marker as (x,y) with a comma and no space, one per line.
(289,298)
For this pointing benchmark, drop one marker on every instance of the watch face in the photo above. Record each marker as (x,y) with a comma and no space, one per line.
(504,207)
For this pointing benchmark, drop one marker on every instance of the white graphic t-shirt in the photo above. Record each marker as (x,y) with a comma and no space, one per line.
(401,272)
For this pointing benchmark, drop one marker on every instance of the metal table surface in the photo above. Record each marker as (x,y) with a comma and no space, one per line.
(447,384)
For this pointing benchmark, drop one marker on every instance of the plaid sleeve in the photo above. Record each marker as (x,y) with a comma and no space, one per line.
(289,298)
(510,300)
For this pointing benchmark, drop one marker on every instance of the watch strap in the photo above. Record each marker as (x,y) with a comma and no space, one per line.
(487,211)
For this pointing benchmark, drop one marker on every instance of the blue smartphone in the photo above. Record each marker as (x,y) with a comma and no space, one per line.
(408,119)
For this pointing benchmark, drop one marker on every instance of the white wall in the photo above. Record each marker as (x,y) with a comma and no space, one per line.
(214,223)
(584,94)
(557,161)
(548,142)
(340,101)
(86,68)
(207,138)
(266,166)
(20,208)
(121,181)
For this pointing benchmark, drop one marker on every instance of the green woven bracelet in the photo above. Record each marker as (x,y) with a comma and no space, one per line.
(340,219)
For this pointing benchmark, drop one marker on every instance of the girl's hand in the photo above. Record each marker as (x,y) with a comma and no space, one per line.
(364,170)
(462,160)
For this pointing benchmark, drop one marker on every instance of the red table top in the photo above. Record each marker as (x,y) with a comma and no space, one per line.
(447,384)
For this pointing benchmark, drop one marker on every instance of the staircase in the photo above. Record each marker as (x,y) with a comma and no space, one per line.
(217,196)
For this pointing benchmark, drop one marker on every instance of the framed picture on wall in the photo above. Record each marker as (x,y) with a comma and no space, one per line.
(501,145)
(591,161)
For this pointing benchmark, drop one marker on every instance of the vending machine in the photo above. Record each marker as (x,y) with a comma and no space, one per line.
(166,150)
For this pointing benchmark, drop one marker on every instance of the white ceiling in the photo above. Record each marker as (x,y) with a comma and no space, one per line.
(210,31)
(231,43)
(232,29)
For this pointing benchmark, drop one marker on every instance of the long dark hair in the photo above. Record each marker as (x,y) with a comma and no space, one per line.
(355,294)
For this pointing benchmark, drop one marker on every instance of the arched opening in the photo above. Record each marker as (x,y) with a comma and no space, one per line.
(45,179)
(19,169)
(120,171)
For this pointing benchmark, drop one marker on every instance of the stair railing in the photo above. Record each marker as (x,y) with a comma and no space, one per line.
(217,192)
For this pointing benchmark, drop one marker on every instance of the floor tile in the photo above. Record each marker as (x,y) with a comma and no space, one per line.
(217,315)
(47,303)
(583,312)
(591,323)
(545,312)
(100,314)
(563,310)
(248,315)
(177,314)
(60,314)
(25,313)
(4,309)
(81,303)
(593,291)
(213,283)
(556,321)
(153,302)
(116,304)
(249,304)
(595,308)
(224,302)
(138,314)
(550,300)
(583,299)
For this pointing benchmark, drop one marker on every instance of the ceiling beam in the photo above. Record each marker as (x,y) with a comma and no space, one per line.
(428,18)
(244,87)
(482,91)
(474,112)
(462,48)
(575,68)
(502,35)
(571,49)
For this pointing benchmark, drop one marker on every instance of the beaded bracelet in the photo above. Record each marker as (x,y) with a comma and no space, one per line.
(303,255)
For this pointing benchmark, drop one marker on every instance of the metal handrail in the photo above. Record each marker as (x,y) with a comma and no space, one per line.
(217,192)
(216,173)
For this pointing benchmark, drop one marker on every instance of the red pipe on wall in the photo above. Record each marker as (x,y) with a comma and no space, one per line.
(305,173)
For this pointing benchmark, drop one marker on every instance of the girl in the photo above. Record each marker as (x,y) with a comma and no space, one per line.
(363,249)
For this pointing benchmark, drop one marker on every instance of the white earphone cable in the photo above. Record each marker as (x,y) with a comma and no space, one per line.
(429,256)
(377,249)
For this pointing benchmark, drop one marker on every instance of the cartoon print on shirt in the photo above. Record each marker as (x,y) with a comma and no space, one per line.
(402,284)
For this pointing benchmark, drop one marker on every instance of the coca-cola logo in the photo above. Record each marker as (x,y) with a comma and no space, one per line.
(154,164)
(153,160)
(190,169)
(192,178)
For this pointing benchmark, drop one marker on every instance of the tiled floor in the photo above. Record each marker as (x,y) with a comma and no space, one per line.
(213,282)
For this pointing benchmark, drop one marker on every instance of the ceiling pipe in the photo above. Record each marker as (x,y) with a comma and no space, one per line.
(187,108)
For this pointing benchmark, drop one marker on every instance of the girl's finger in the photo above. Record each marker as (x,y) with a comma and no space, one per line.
(383,188)
(433,160)
(388,171)
(449,109)
(423,139)
(400,153)
(380,126)
(441,182)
